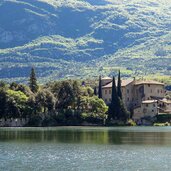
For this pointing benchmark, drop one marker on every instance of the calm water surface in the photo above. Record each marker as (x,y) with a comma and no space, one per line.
(85,149)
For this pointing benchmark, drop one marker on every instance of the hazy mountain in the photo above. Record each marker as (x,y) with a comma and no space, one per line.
(82,38)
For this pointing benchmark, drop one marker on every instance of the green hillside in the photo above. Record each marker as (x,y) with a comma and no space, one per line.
(84,38)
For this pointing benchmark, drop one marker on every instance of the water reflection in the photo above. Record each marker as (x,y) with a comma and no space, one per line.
(87,135)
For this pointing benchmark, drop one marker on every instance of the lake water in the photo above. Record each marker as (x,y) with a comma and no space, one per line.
(85,149)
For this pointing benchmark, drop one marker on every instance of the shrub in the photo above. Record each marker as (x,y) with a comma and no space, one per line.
(35,121)
(130,122)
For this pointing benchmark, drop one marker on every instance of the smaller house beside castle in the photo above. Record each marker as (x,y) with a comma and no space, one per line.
(143,98)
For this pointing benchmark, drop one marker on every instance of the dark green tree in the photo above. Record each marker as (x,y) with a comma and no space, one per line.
(123,114)
(13,86)
(97,105)
(50,101)
(33,81)
(119,89)
(65,95)
(16,103)
(3,98)
(100,88)
(114,105)
(25,89)
(32,106)
(77,93)
(3,102)
(45,101)
(3,84)
(95,91)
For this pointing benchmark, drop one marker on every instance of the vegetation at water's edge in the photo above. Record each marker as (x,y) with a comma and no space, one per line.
(68,102)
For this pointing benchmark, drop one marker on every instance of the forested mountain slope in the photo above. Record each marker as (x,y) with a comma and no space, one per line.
(84,38)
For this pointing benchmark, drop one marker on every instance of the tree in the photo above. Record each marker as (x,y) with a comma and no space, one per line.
(119,89)
(123,114)
(65,95)
(76,92)
(114,105)
(100,88)
(3,99)
(3,84)
(95,91)
(33,81)
(50,101)
(25,89)
(90,91)
(13,86)
(32,107)
(97,105)
(16,103)
(45,100)
(117,109)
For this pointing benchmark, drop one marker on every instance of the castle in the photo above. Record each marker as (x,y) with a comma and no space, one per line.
(141,97)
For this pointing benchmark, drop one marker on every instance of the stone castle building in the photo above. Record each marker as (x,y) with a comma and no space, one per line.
(142,97)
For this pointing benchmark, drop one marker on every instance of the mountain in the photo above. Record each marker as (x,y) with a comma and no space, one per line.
(84,38)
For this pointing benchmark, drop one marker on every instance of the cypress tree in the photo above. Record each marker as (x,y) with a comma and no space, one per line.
(113,107)
(123,113)
(119,91)
(100,88)
(95,91)
(33,81)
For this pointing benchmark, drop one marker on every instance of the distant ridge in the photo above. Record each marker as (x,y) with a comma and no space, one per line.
(82,39)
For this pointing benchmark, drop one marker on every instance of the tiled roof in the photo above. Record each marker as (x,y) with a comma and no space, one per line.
(149,101)
(166,101)
(148,82)
(123,83)
(106,78)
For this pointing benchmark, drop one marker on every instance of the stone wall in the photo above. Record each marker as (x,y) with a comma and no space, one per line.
(13,122)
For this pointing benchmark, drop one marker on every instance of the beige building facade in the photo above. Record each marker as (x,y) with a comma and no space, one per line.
(165,106)
(139,96)
(147,108)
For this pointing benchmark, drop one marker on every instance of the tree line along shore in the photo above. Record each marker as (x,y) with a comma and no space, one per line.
(58,103)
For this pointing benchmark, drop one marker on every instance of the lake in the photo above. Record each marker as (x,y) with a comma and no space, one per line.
(85,149)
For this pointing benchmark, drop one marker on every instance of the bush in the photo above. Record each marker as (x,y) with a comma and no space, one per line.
(130,122)
(49,121)
(92,118)
(163,118)
(35,121)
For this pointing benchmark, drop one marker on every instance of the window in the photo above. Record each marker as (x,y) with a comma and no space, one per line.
(106,100)
(127,91)
(110,91)
(148,85)
(105,91)
(152,110)
(154,105)
(151,90)
(158,91)
(146,105)
(128,99)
